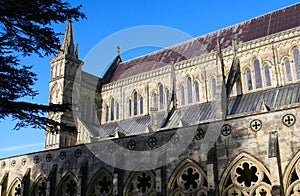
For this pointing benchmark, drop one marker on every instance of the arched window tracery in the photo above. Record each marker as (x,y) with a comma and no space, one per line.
(245,176)
(140,183)
(112,109)
(135,103)
(67,186)
(213,89)
(187,179)
(101,184)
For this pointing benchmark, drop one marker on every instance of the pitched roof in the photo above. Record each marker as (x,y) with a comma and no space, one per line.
(258,27)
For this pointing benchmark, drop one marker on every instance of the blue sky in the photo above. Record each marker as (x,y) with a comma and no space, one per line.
(105,18)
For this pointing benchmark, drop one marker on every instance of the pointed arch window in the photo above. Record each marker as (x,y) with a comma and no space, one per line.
(129,107)
(135,103)
(161,96)
(117,111)
(288,73)
(182,95)
(106,113)
(168,96)
(267,75)
(112,108)
(141,105)
(101,184)
(257,73)
(189,90)
(154,97)
(213,88)
(248,79)
(296,55)
(197,91)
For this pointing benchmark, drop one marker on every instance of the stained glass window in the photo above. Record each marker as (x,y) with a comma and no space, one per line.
(155,100)
(117,111)
(129,107)
(213,88)
(182,95)
(106,113)
(161,96)
(197,92)
(135,104)
(257,73)
(288,73)
(296,55)
(249,79)
(267,75)
(112,108)
(141,105)
(189,90)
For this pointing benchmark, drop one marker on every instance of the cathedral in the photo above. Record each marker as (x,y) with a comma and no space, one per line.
(215,115)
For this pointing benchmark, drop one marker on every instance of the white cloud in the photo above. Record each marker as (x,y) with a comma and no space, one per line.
(13,148)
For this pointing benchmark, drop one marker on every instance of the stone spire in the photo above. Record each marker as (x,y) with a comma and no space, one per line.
(67,45)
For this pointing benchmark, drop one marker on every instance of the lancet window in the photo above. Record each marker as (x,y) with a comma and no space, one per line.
(161,96)
(189,90)
(257,73)
(288,73)
(267,75)
(296,55)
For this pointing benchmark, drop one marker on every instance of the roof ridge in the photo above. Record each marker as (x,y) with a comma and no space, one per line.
(218,31)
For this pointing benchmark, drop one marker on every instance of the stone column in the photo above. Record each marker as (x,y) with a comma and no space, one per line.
(158,181)
(212,172)
(274,158)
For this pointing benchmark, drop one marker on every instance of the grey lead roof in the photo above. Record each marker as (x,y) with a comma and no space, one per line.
(253,102)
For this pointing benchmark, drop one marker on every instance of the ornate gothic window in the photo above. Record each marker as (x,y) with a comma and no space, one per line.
(292,177)
(101,184)
(140,183)
(213,88)
(267,75)
(189,90)
(188,179)
(296,55)
(112,108)
(129,107)
(197,91)
(135,103)
(40,187)
(161,96)
(67,186)
(117,111)
(288,73)
(245,176)
(257,73)
(248,79)
(15,188)
(106,113)
(182,95)
(141,105)
(154,100)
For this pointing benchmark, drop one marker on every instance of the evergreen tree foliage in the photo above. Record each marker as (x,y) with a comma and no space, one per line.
(26,28)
